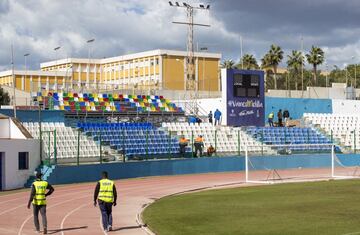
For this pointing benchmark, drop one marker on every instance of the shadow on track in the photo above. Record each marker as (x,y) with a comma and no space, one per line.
(53,231)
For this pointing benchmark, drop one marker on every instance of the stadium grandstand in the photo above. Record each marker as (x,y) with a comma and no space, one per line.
(77,121)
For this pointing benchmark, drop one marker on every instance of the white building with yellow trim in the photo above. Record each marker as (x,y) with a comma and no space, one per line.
(149,70)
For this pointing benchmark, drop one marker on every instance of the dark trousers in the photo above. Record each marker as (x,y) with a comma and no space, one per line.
(271,123)
(198,148)
(106,213)
(42,210)
(182,149)
(210,120)
(280,121)
(217,121)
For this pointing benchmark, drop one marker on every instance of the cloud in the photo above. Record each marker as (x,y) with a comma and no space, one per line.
(127,26)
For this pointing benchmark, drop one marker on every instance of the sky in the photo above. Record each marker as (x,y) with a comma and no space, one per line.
(128,26)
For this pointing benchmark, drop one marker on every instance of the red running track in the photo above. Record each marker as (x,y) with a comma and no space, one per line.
(70,209)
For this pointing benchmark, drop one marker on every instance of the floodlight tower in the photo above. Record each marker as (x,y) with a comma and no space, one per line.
(189,65)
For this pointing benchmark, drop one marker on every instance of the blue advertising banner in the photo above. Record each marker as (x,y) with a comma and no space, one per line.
(245,102)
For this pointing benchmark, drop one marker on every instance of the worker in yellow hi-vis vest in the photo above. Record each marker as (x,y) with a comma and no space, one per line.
(38,200)
(105,194)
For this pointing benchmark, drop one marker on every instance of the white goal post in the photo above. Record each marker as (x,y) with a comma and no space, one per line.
(293,163)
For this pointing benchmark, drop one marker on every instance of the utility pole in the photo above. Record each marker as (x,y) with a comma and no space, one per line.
(88,67)
(302,65)
(56,63)
(190,65)
(14,79)
(24,82)
(241,52)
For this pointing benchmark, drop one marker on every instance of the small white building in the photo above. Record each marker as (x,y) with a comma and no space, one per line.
(19,154)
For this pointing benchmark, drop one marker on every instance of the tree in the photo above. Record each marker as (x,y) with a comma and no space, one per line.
(4,97)
(228,64)
(273,59)
(294,63)
(315,57)
(248,61)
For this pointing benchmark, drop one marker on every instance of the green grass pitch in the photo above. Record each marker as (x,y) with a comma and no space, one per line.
(326,208)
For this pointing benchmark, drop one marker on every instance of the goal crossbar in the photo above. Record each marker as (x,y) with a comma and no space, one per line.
(273,176)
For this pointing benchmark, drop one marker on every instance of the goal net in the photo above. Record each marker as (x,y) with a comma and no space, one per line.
(288,163)
(345,166)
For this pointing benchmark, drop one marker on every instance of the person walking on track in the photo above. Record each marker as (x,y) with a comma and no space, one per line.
(38,200)
(105,194)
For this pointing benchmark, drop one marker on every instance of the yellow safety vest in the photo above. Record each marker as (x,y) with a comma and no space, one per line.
(40,190)
(106,190)
(271,115)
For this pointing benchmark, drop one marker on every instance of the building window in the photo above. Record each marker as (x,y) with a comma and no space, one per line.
(157,61)
(23,160)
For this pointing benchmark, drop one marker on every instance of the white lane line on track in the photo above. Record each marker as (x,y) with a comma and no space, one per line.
(24,205)
(68,214)
(24,197)
(101,226)
(3,202)
(29,217)
(12,209)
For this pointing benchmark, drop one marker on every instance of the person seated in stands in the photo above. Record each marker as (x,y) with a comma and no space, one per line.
(192,119)
(199,145)
(210,151)
(183,142)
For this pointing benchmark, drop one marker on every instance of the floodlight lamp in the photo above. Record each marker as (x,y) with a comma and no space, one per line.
(170,3)
(177,4)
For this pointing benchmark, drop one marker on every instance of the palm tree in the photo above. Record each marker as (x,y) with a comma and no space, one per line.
(4,97)
(248,62)
(315,57)
(228,64)
(294,63)
(273,59)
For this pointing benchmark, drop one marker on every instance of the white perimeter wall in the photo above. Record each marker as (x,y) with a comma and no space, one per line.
(346,106)
(208,105)
(9,130)
(12,177)
(4,128)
